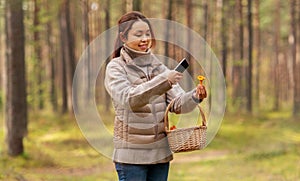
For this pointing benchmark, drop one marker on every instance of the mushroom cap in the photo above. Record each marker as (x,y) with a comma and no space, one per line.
(201,77)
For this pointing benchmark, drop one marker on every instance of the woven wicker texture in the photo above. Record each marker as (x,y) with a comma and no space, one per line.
(186,139)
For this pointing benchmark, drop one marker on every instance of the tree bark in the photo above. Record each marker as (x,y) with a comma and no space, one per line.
(64,56)
(2,63)
(71,65)
(250,47)
(129,5)
(189,18)
(276,53)
(52,57)
(108,42)
(38,54)
(205,20)
(238,86)
(124,6)
(68,54)
(136,5)
(257,41)
(16,105)
(296,65)
(86,41)
(224,32)
(85,23)
(167,45)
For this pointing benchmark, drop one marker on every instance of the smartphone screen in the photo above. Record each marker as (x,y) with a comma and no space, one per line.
(182,66)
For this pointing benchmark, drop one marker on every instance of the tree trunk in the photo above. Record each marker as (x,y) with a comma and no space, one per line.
(129,5)
(276,53)
(238,86)
(108,42)
(68,54)
(52,58)
(169,17)
(2,63)
(224,33)
(16,105)
(136,5)
(250,45)
(205,20)
(85,23)
(71,65)
(64,53)
(297,95)
(257,40)
(124,6)
(38,54)
(189,18)
(86,41)
(296,65)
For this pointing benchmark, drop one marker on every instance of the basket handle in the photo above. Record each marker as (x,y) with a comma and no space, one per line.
(166,119)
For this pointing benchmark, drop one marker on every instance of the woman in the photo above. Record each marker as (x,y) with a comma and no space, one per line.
(141,87)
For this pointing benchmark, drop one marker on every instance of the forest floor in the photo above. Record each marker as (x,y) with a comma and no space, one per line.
(249,148)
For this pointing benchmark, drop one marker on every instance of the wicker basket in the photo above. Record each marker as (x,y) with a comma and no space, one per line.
(186,139)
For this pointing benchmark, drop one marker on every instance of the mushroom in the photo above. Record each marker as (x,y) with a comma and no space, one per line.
(201,78)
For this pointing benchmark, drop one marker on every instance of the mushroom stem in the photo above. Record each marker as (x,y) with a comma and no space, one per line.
(201,79)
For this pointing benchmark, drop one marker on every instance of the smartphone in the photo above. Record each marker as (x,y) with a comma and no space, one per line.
(182,66)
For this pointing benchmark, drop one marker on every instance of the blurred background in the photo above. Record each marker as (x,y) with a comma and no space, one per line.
(257,43)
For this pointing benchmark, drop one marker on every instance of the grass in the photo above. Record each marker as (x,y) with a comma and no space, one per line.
(250,148)
(55,150)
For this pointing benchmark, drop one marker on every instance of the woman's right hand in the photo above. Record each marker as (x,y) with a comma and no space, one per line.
(174,77)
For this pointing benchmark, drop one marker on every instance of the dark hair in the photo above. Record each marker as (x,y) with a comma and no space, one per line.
(125,23)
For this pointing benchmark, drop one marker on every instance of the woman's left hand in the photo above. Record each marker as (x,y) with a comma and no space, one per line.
(200,92)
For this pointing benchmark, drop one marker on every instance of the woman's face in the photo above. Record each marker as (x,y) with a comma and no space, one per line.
(139,36)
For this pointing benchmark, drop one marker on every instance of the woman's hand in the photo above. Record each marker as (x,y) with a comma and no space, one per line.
(200,92)
(174,77)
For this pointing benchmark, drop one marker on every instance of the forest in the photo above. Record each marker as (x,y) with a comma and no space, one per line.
(256,44)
